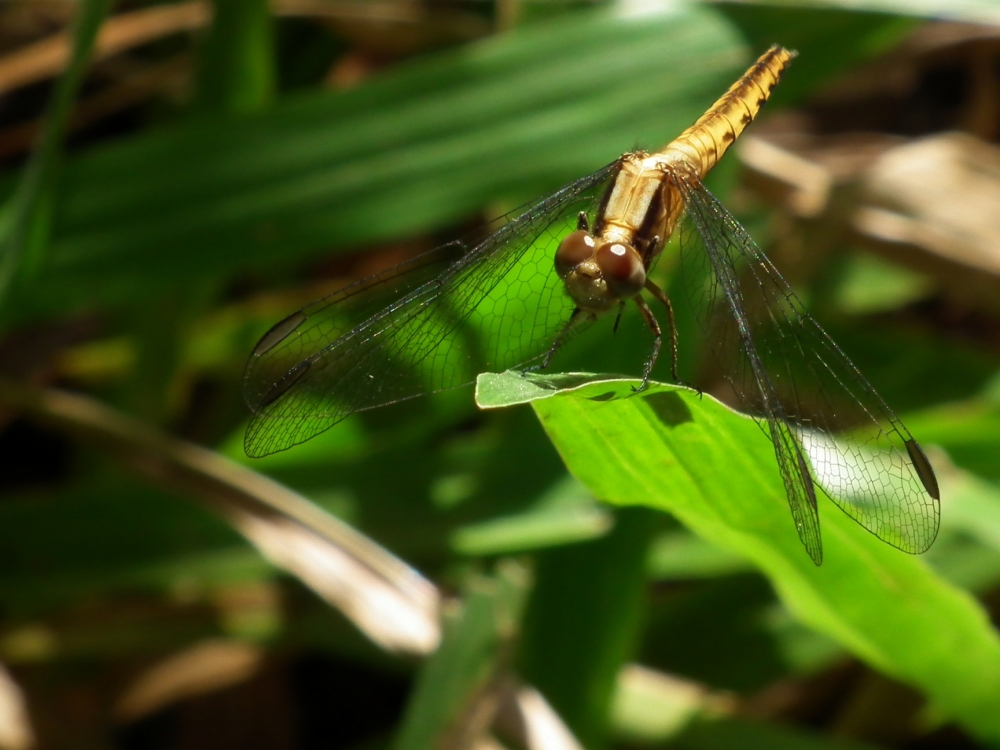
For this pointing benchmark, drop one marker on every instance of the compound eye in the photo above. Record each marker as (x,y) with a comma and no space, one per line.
(575,248)
(621,268)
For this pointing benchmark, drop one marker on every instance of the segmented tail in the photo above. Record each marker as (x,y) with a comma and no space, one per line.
(707,140)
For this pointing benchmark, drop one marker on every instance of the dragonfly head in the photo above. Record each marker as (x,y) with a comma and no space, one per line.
(599,276)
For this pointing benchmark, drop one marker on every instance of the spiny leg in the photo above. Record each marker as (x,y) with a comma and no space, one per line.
(654,326)
(621,310)
(662,297)
(653,249)
(559,340)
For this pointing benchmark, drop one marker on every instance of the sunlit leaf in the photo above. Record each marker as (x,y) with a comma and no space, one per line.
(684,453)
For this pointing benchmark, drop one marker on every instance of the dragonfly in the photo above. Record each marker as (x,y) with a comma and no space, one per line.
(514,298)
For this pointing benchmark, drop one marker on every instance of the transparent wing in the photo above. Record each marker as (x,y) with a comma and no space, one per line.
(430,324)
(790,374)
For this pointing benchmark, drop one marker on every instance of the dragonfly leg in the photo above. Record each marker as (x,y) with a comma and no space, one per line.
(654,248)
(582,221)
(654,326)
(621,309)
(662,297)
(559,340)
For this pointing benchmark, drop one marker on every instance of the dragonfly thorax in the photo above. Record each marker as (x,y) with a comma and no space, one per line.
(599,275)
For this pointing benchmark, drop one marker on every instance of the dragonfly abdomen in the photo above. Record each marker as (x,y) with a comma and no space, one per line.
(704,143)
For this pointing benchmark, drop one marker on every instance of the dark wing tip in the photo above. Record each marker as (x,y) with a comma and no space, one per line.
(923,467)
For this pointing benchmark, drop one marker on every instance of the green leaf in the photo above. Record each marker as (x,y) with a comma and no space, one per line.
(564,515)
(681,555)
(685,453)
(497,390)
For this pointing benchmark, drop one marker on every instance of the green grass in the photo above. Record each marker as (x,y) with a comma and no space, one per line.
(596,528)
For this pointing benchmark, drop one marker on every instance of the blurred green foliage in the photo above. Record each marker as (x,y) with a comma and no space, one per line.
(175,246)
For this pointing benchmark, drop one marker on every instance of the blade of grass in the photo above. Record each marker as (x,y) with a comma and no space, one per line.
(236,70)
(582,622)
(459,689)
(26,218)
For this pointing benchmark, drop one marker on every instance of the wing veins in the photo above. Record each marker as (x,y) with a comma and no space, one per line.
(365,356)
(892,501)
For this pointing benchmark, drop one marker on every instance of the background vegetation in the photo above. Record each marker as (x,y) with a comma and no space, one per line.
(430,574)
